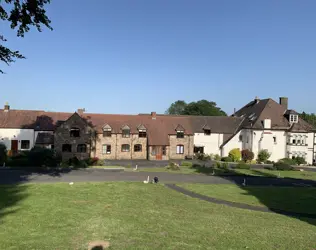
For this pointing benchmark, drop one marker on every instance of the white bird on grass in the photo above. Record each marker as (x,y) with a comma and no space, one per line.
(71,183)
(135,168)
(147,181)
(244,183)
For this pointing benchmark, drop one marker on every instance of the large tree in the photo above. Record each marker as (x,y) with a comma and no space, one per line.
(310,118)
(21,15)
(202,107)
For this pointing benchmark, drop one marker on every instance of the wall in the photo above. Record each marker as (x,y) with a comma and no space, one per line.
(153,157)
(187,142)
(8,134)
(232,143)
(100,140)
(211,143)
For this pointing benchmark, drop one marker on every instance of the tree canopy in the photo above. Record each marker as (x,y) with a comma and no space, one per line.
(21,15)
(310,118)
(202,107)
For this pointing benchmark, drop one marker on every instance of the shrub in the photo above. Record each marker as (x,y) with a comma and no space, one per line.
(287,161)
(269,162)
(300,160)
(202,157)
(3,154)
(76,163)
(196,165)
(173,166)
(269,167)
(218,165)
(242,165)
(217,157)
(263,155)
(92,161)
(18,162)
(100,163)
(247,155)
(235,154)
(226,159)
(282,166)
(43,157)
(186,164)
(64,164)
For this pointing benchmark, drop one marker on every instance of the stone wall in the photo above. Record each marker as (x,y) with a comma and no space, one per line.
(187,142)
(153,157)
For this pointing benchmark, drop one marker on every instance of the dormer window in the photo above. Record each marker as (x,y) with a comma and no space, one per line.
(180,134)
(107,131)
(207,132)
(126,132)
(74,132)
(293,118)
(142,132)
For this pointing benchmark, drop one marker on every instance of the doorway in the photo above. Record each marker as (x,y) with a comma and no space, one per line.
(14,146)
(198,150)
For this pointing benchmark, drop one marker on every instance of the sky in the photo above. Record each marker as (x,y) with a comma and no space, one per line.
(138,56)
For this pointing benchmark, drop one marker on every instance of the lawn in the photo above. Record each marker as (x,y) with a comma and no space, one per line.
(286,198)
(253,172)
(138,216)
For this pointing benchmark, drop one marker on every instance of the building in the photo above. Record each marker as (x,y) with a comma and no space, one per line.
(261,124)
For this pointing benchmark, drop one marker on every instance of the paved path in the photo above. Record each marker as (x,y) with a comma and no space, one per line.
(237,204)
(99,175)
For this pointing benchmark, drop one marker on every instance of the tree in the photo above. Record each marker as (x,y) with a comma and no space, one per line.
(234,154)
(202,107)
(21,14)
(310,118)
(176,108)
(247,155)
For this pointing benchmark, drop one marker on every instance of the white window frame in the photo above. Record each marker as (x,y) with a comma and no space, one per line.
(180,149)
(106,151)
(293,118)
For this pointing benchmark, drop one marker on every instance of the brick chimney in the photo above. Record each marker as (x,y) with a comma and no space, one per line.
(153,115)
(6,107)
(81,111)
(284,102)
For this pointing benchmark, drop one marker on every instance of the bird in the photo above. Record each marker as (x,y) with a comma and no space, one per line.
(71,183)
(135,168)
(146,181)
(244,183)
(213,172)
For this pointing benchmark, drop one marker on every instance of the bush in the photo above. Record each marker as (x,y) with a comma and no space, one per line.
(186,164)
(269,162)
(299,160)
(39,157)
(18,162)
(235,154)
(282,166)
(226,159)
(218,165)
(76,163)
(242,165)
(247,155)
(202,157)
(3,154)
(196,165)
(269,167)
(173,166)
(92,161)
(263,155)
(287,161)
(217,157)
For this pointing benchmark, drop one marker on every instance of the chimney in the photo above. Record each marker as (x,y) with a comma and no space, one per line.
(257,99)
(284,102)
(153,115)
(6,107)
(81,111)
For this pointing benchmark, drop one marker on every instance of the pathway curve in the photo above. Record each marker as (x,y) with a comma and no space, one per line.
(237,204)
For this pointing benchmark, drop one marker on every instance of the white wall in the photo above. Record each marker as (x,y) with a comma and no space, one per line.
(232,143)
(8,134)
(211,143)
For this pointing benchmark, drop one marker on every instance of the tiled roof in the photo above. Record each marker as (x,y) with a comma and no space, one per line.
(44,138)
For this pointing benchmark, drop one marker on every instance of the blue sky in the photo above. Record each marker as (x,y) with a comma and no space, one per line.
(140,56)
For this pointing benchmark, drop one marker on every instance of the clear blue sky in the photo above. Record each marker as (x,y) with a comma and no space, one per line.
(140,56)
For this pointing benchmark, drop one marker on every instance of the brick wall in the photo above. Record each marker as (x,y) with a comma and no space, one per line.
(187,143)
(153,157)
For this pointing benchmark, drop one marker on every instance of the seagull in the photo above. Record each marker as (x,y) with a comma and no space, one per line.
(244,183)
(147,181)
(213,172)
(71,183)
(135,168)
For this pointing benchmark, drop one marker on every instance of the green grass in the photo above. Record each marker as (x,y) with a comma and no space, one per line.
(106,167)
(252,172)
(138,216)
(286,198)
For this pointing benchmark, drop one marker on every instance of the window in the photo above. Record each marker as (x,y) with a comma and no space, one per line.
(142,134)
(207,132)
(274,139)
(66,148)
(107,133)
(180,134)
(74,132)
(125,133)
(164,150)
(293,141)
(180,149)
(25,144)
(125,148)
(106,149)
(240,138)
(81,148)
(137,148)
(153,150)
(294,118)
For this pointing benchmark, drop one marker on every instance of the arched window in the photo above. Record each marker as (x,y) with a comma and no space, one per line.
(180,149)
(81,148)
(125,148)
(74,132)
(66,148)
(137,148)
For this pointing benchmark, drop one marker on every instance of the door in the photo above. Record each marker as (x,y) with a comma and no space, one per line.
(14,146)
(158,153)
